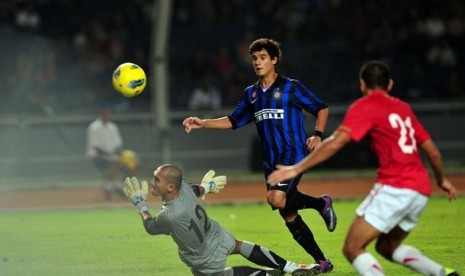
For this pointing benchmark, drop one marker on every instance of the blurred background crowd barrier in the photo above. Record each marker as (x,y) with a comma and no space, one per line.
(58,57)
(41,147)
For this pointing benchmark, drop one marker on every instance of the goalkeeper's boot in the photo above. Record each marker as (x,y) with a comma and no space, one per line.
(325,266)
(306,270)
(328,214)
(450,272)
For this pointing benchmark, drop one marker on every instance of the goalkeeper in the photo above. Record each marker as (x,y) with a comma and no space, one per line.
(203,244)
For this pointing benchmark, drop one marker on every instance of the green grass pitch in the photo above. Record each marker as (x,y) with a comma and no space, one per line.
(113,241)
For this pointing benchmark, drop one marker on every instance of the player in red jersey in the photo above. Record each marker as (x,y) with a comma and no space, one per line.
(402,187)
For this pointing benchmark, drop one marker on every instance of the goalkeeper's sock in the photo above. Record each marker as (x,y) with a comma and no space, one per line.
(299,201)
(412,258)
(262,256)
(304,236)
(247,270)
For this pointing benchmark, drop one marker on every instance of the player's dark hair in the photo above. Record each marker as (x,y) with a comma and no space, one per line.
(173,174)
(270,45)
(375,74)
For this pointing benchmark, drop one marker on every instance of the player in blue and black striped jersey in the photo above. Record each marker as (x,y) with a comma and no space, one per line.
(275,104)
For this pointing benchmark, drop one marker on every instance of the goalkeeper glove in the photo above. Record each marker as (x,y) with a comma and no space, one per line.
(213,184)
(136,193)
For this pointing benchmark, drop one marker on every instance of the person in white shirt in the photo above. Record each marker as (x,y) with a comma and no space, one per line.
(206,97)
(104,146)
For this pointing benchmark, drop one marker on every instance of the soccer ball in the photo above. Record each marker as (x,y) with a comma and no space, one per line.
(129,159)
(129,79)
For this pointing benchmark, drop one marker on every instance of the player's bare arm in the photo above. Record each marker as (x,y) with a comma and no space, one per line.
(195,123)
(320,126)
(282,173)
(435,160)
(328,148)
(192,123)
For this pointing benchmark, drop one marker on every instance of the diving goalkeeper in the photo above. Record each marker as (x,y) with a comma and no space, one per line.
(203,244)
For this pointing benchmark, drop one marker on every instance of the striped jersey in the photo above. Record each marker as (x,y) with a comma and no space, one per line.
(277,113)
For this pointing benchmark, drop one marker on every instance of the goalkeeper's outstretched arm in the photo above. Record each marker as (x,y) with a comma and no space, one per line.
(146,215)
(198,191)
(149,223)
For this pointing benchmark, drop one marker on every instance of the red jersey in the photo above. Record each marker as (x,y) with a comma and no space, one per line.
(393,132)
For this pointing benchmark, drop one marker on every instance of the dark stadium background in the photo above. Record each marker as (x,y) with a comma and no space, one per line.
(57,58)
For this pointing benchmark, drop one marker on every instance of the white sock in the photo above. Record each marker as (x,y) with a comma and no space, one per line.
(366,265)
(412,258)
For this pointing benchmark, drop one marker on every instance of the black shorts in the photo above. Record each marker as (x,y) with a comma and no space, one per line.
(289,186)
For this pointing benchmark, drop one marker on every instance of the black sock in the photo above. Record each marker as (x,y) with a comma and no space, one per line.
(247,271)
(262,256)
(299,201)
(304,236)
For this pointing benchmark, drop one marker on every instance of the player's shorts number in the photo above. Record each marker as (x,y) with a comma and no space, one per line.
(201,214)
(405,128)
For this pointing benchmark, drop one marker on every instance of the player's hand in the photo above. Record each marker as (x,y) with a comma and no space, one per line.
(449,188)
(192,123)
(212,183)
(313,142)
(137,193)
(282,173)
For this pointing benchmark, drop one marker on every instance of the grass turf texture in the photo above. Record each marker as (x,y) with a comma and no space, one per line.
(113,241)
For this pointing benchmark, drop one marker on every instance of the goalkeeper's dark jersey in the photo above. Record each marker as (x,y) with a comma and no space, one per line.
(277,113)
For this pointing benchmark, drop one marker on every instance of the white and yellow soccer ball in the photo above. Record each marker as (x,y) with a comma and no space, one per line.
(129,79)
